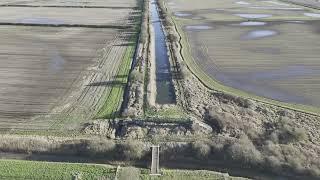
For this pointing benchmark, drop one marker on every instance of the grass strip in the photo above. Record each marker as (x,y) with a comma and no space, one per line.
(17,169)
(111,107)
(167,174)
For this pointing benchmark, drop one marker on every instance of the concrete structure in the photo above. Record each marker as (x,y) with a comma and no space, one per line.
(155,170)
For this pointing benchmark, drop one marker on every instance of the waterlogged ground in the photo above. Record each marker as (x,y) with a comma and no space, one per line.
(39,67)
(55,77)
(269,48)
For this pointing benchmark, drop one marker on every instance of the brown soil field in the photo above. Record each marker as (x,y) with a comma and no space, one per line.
(267,48)
(52,15)
(40,65)
(55,78)
(104,3)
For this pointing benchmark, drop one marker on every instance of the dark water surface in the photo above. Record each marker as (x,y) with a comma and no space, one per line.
(165,90)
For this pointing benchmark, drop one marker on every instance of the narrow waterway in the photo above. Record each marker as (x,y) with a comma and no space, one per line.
(165,90)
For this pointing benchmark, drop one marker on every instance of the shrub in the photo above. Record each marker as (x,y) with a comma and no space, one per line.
(100,146)
(128,112)
(314,171)
(221,120)
(286,132)
(272,149)
(25,144)
(172,38)
(201,149)
(131,150)
(273,163)
(184,71)
(244,151)
(136,76)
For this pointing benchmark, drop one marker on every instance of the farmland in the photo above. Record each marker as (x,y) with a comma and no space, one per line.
(17,169)
(229,86)
(63,65)
(274,48)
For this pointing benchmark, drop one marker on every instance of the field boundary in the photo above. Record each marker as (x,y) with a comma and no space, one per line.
(210,83)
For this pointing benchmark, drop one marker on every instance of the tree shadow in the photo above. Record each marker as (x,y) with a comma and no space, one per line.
(108,83)
(126,44)
(120,76)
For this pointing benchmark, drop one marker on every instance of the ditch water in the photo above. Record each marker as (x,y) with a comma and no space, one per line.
(165,90)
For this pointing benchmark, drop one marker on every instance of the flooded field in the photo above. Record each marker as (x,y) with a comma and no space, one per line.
(268,48)
(56,77)
(40,65)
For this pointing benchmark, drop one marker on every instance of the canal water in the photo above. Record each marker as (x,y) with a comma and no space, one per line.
(165,90)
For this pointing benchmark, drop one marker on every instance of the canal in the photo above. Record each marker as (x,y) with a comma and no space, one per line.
(164,86)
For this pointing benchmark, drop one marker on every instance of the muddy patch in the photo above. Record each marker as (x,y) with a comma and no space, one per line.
(253,16)
(258,34)
(56,63)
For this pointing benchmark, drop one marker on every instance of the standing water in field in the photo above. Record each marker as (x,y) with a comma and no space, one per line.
(165,90)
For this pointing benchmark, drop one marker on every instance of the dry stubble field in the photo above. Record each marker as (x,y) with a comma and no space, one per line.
(55,78)
(264,48)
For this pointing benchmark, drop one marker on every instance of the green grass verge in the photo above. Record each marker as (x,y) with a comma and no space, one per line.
(111,107)
(215,85)
(16,169)
(186,175)
(20,169)
(172,112)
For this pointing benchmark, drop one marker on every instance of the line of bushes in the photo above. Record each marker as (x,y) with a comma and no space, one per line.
(95,147)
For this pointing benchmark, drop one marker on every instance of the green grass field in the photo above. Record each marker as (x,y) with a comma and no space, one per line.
(114,99)
(16,169)
(19,169)
(187,175)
